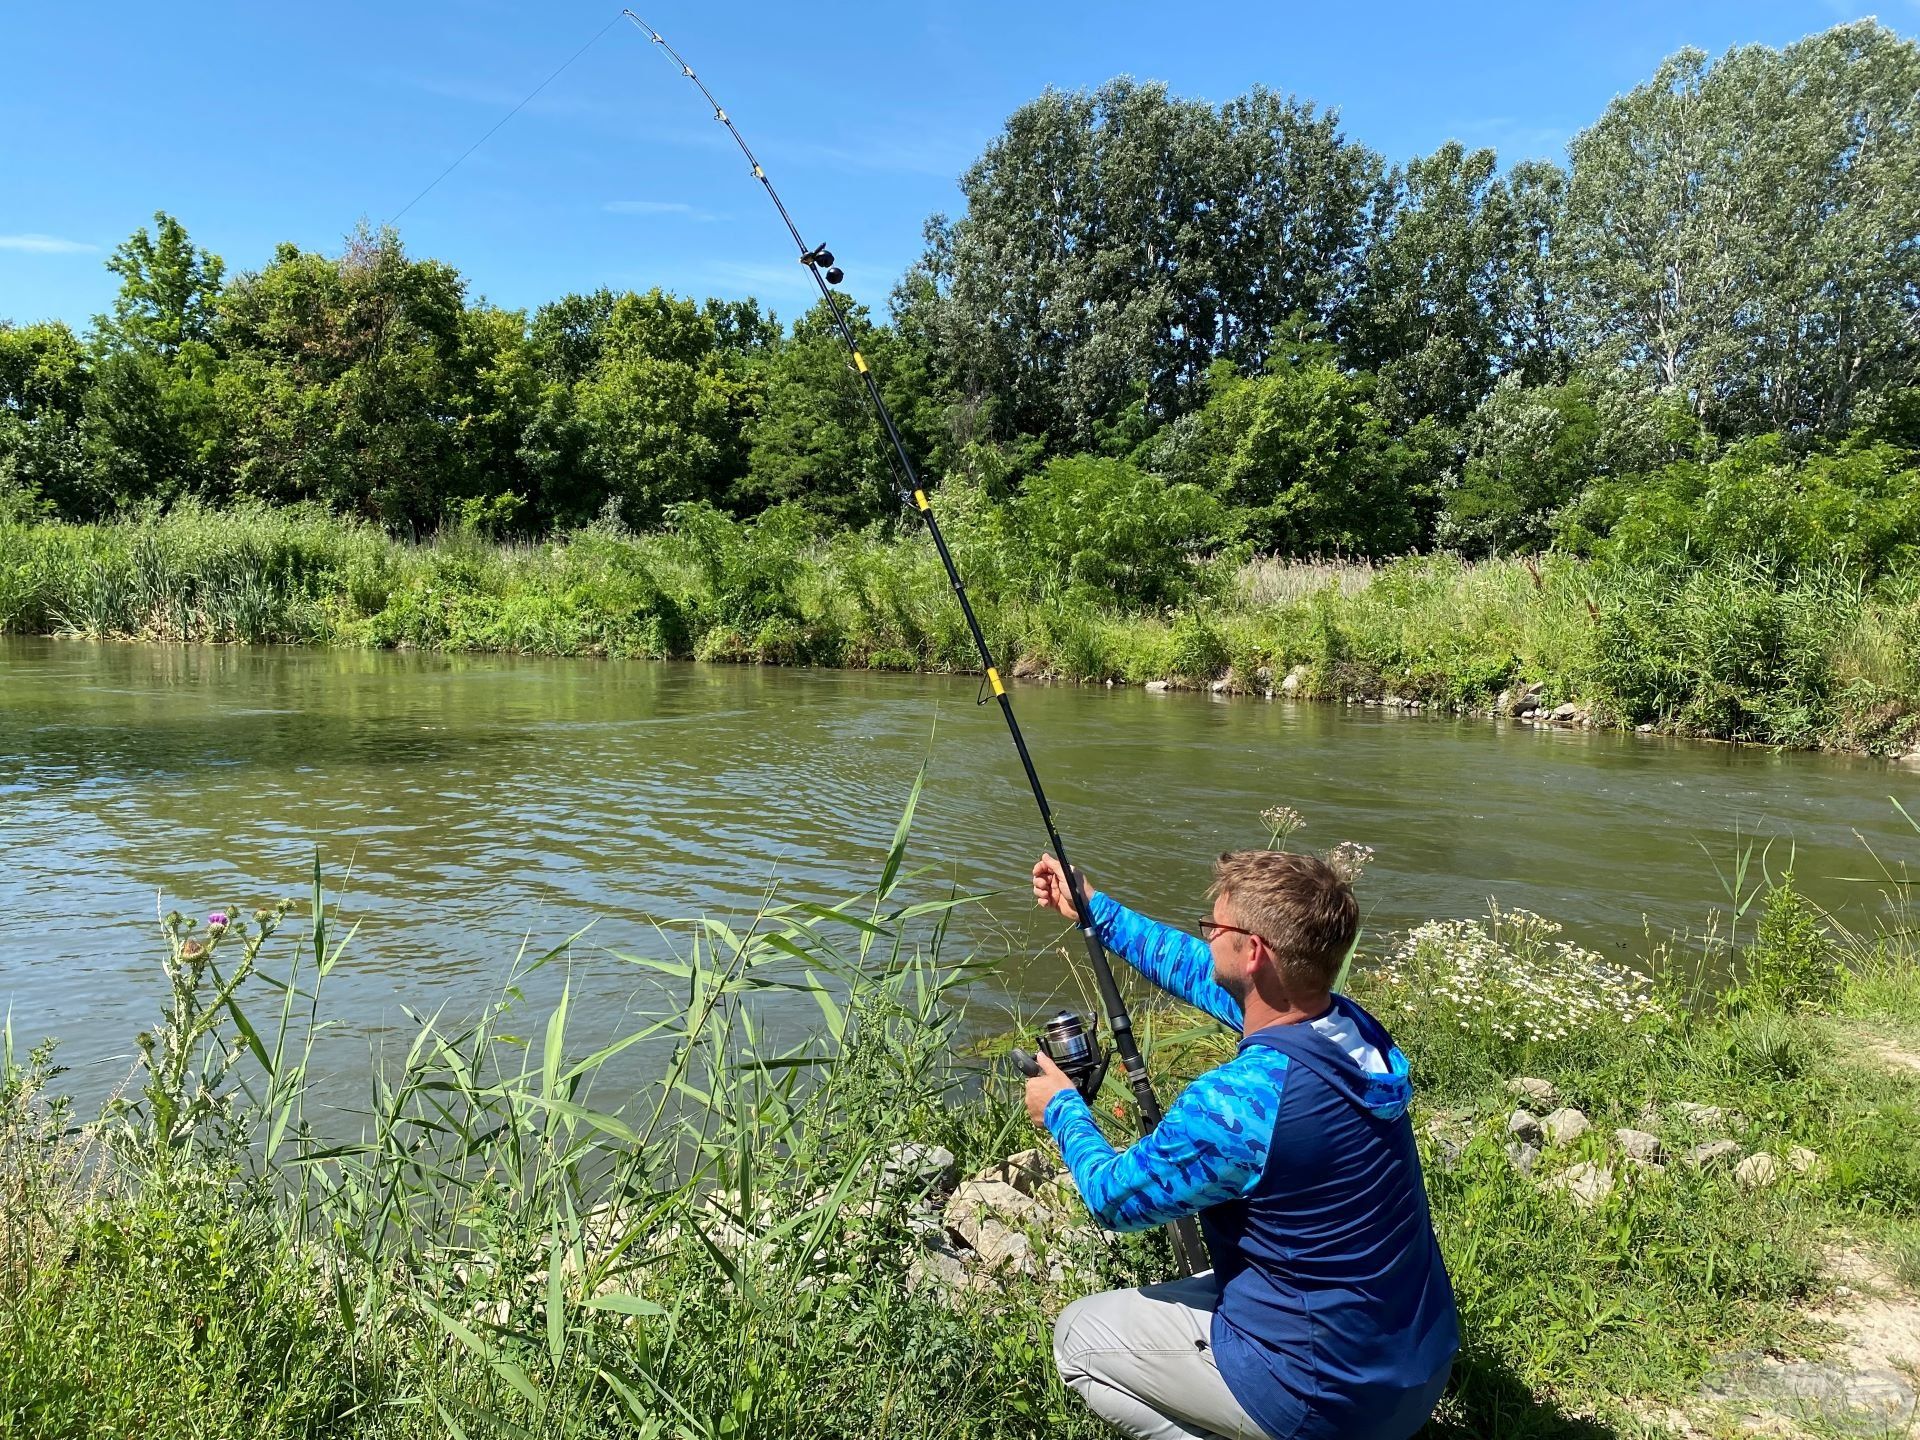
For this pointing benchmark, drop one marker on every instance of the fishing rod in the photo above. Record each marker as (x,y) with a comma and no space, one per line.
(1189,1250)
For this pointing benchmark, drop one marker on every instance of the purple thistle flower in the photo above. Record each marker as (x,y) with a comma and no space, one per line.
(218,917)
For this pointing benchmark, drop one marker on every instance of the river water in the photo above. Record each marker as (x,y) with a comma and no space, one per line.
(466,805)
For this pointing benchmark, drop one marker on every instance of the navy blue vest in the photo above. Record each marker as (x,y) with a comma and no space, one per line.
(1336,1318)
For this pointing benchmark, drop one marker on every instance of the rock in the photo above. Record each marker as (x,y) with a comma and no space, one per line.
(1565,1125)
(1158,687)
(1027,667)
(1221,687)
(1803,1161)
(1568,711)
(1532,1087)
(1028,1171)
(1756,1172)
(938,1264)
(1715,1152)
(1523,1157)
(1502,701)
(1638,1145)
(1645,1167)
(1700,1117)
(1263,677)
(1295,680)
(914,1169)
(1444,1143)
(1645,728)
(1586,1184)
(1524,1126)
(991,1218)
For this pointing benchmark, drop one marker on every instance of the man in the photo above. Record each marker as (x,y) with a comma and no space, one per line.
(1328,1312)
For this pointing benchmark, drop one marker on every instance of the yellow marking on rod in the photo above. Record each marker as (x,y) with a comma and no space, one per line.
(993,679)
(920,499)
(758,173)
(860,362)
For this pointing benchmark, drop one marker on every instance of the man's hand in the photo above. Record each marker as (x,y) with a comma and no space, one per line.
(1050,888)
(1043,1087)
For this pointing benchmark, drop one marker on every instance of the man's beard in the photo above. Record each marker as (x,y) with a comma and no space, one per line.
(1235,985)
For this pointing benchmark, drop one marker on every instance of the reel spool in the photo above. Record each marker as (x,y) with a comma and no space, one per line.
(1069,1041)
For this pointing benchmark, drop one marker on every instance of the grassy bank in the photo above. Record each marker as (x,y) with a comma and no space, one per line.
(1716,650)
(510,1246)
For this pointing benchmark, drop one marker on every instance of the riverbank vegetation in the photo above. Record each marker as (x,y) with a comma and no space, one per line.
(1164,339)
(497,1238)
(1732,648)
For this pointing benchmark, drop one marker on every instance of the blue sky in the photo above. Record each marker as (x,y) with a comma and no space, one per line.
(259,123)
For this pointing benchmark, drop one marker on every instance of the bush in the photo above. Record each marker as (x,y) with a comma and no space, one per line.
(1793,960)
(1108,530)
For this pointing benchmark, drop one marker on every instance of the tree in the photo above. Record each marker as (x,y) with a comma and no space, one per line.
(816,440)
(664,408)
(1117,242)
(345,381)
(44,380)
(1303,460)
(1452,291)
(1532,450)
(1740,235)
(152,429)
(169,291)
(1107,528)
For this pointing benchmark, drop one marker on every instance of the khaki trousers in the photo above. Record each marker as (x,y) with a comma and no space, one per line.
(1143,1361)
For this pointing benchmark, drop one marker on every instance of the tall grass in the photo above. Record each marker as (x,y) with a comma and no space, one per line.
(1725,650)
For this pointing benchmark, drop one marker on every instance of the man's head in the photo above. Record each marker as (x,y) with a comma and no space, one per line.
(1281,922)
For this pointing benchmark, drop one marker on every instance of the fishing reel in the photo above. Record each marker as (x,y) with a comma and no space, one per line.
(820,258)
(1070,1043)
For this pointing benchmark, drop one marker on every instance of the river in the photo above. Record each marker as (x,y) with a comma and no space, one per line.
(465,805)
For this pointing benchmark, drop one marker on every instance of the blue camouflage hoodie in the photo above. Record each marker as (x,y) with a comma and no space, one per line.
(1335,1316)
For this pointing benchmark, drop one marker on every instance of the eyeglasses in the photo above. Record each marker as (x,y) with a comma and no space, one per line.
(1210,927)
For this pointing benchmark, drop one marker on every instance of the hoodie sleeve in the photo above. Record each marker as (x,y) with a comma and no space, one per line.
(1179,963)
(1211,1147)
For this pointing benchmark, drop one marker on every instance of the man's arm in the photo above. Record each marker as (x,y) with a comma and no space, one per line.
(1211,1147)
(1179,963)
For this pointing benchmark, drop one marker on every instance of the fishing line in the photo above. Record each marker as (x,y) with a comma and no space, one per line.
(503,120)
(1188,1248)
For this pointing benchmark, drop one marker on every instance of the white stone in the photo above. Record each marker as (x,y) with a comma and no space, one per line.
(1524,1126)
(1701,1117)
(1565,1125)
(1523,1157)
(1716,1152)
(1638,1145)
(1532,1087)
(1586,1184)
(991,1217)
(914,1168)
(1158,687)
(1756,1172)
(1803,1161)
(1566,711)
(1295,679)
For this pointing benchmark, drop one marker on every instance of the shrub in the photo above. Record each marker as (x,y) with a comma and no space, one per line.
(1111,531)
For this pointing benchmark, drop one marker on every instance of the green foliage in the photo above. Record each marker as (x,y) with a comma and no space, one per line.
(1108,529)
(1767,285)
(1856,507)
(1304,460)
(1116,243)
(1721,650)
(1533,450)
(1793,960)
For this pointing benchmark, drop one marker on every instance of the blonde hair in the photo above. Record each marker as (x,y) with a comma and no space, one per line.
(1299,904)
